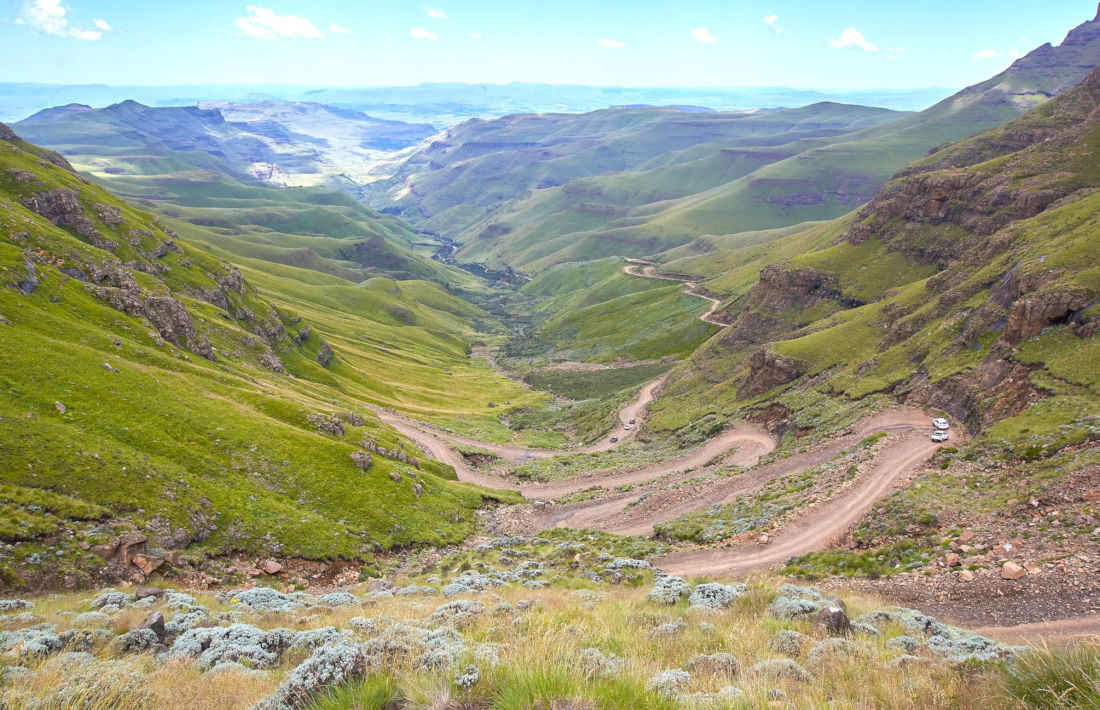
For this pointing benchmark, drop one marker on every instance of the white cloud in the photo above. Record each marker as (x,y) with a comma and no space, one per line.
(610,43)
(895,53)
(772,21)
(421,33)
(262,23)
(48,16)
(987,54)
(437,14)
(703,35)
(333,27)
(474,35)
(102,25)
(1013,53)
(852,37)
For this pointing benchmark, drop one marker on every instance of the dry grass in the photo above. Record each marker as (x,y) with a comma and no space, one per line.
(539,664)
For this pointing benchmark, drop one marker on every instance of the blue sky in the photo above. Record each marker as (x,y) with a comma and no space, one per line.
(834,44)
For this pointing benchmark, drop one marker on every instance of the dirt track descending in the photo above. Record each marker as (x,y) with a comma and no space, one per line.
(647,270)
(754,443)
(818,529)
(612,514)
(518,454)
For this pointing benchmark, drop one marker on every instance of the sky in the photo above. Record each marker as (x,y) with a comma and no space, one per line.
(819,44)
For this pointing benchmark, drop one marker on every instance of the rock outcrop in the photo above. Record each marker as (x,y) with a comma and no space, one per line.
(1028,316)
(62,207)
(768,370)
(764,313)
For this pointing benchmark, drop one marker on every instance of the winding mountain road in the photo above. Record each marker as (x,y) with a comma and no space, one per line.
(635,410)
(647,270)
(818,529)
(750,443)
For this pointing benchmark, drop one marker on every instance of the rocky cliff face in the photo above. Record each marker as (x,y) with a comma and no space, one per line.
(765,313)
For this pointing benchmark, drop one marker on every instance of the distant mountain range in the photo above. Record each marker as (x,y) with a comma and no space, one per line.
(445,104)
(532,191)
(284,143)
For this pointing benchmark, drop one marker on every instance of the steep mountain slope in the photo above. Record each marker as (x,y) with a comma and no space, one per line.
(1001,220)
(150,396)
(970,285)
(720,187)
(192,164)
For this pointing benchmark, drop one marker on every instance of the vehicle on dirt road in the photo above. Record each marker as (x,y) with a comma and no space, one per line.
(940,423)
(614,439)
(940,435)
(626,427)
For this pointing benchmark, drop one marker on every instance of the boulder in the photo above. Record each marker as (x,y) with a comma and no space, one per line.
(106,550)
(272,567)
(1011,570)
(154,622)
(143,592)
(833,619)
(325,356)
(147,563)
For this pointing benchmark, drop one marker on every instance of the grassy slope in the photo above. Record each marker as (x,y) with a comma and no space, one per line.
(134,155)
(518,190)
(167,440)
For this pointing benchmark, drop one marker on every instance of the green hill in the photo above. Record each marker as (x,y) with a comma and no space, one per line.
(594,312)
(529,179)
(191,164)
(150,389)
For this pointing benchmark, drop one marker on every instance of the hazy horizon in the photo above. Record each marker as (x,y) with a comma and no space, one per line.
(848,45)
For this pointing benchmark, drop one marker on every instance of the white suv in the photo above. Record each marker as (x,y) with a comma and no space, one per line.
(940,435)
(940,423)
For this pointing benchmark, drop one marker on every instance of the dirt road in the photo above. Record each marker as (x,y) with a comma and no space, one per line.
(635,410)
(646,270)
(750,443)
(1056,632)
(613,514)
(818,529)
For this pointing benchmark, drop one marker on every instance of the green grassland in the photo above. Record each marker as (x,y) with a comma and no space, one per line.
(595,312)
(658,205)
(588,384)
